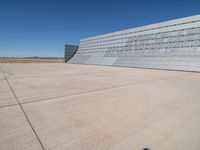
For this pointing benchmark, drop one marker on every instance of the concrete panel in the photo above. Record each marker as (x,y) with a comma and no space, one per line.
(160,114)
(6,96)
(30,89)
(13,71)
(15,132)
(32,82)
(1,76)
(101,107)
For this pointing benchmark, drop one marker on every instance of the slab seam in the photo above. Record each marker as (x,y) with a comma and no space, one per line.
(23,110)
(93,91)
(8,105)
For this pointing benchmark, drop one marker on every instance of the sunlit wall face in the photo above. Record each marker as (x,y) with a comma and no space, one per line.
(173,45)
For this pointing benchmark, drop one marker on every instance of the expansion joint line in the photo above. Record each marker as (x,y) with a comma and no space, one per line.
(22,109)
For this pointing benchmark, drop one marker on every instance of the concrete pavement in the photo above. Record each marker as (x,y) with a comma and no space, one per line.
(66,106)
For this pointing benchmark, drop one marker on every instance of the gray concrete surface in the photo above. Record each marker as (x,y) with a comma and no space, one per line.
(1,76)
(6,96)
(15,132)
(66,106)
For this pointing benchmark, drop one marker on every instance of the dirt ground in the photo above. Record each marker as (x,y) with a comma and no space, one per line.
(31,60)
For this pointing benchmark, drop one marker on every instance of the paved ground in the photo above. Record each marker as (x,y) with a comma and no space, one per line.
(82,107)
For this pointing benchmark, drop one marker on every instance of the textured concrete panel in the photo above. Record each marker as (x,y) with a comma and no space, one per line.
(6,96)
(28,87)
(15,132)
(1,76)
(110,108)
(161,114)
(171,45)
(13,71)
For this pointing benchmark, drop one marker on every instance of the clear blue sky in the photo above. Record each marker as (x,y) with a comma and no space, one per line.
(42,27)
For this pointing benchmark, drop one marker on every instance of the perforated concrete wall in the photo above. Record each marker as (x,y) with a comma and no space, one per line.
(173,45)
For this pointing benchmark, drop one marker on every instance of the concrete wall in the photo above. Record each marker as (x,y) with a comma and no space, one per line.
(70,50)
(173,45)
